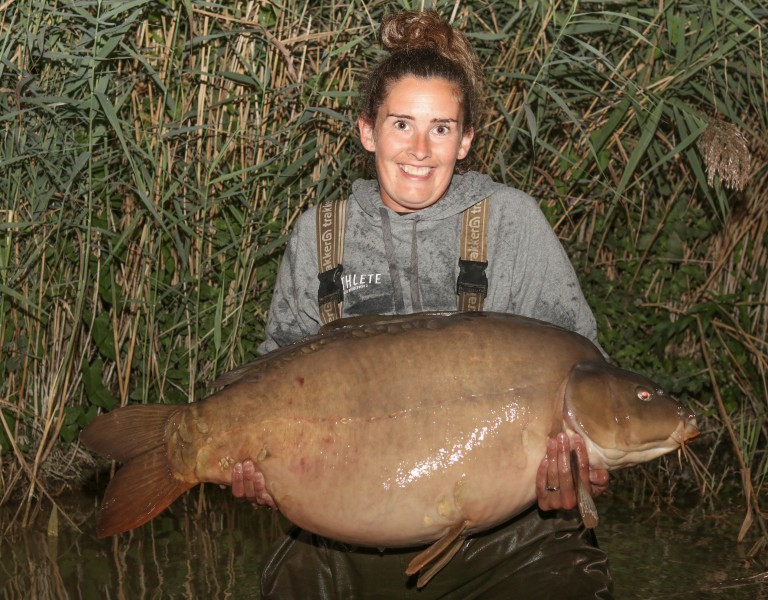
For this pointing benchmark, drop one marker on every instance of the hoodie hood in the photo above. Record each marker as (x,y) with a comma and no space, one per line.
(465,190)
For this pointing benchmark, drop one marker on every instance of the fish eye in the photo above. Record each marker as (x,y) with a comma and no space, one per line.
(644,394)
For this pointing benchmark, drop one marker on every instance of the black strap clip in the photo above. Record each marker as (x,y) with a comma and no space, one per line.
(472,278)
(331,288)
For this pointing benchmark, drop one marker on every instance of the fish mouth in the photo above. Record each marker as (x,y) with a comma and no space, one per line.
(616,458)
(686,431)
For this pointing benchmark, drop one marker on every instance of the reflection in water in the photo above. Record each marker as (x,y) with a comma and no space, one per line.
(679,553)
(174,556)
(685,555)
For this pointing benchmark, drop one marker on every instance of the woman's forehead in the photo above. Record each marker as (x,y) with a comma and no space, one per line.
(412,96)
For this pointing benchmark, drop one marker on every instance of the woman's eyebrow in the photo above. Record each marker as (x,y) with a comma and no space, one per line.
(435,120)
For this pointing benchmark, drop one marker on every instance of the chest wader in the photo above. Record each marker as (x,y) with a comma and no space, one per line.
(471,284)
(534,556)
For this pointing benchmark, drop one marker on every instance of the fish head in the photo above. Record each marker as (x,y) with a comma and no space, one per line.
(624,418)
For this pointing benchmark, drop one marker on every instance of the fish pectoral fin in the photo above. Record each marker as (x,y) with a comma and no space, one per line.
(587,508)
(434,558)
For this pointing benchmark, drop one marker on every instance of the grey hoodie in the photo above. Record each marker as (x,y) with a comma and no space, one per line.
(399,264)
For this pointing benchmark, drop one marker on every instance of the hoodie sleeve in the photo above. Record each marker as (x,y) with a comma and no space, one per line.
(294,312)
(533,273)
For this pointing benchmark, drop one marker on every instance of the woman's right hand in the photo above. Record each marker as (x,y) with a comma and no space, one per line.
(248,483)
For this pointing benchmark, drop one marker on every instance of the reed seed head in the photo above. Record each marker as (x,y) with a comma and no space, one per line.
(726,154)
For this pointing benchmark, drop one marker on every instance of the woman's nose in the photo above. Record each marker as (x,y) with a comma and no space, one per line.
(420,146)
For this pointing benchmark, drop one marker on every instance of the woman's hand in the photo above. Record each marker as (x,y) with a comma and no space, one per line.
(555,487)
(249,483)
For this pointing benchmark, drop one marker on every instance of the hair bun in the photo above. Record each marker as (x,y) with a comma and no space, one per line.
(426,30)
(416,30)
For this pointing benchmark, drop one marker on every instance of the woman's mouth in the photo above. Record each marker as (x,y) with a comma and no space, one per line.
(416,171)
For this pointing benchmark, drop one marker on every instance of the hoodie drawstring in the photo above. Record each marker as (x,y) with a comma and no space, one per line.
(389,248)
(415,291)
(394,272)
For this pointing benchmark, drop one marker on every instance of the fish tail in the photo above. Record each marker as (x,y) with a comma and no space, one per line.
(146,483)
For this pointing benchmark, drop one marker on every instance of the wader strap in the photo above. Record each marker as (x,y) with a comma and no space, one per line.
(331,221)
(472,283)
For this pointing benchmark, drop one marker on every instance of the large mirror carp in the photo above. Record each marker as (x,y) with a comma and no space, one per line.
(393,431)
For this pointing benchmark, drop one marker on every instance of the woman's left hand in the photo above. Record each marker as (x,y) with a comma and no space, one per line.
(555,487)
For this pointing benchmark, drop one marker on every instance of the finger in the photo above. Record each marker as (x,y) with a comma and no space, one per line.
(553,477)
(541,484)
(260,487)
(238,490)
(599,479)
(547,479)
(249,485)
(567,497)
(583,458)
(564,464)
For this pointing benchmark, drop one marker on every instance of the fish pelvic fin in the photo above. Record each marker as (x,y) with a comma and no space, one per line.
(146,484)
(428,563)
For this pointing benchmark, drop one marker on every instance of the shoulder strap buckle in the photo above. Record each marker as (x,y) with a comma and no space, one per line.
(331,223)
(472,282)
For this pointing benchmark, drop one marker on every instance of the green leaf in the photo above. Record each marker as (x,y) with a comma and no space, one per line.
(95,390)
(648,131)
(103,336)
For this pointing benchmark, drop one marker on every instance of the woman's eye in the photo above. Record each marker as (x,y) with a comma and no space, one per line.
(401,125)
(442,130)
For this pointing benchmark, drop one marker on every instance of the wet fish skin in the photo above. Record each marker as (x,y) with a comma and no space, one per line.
(393,433)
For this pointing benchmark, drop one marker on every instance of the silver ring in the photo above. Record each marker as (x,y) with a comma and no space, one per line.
(553,488)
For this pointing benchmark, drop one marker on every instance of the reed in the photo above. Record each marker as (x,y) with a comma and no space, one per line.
(156,154)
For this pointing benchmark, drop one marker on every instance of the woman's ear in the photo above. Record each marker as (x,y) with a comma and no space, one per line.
(466,143)
(366,134)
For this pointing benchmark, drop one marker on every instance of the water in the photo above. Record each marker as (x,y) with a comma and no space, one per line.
(681,554)
(675,554)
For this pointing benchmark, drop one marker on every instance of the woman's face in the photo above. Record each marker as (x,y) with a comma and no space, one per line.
(417,139)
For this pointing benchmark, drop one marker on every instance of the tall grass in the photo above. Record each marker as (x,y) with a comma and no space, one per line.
(155,155)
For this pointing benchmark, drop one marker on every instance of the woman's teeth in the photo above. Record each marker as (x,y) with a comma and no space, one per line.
(417,171)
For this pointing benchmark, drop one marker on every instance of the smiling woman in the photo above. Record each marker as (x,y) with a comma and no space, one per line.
(417,138)
(404,240)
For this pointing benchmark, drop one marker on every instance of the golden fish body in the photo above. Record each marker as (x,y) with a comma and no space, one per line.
(396,432)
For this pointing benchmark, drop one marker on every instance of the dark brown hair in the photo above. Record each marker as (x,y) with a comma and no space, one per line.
(423,45)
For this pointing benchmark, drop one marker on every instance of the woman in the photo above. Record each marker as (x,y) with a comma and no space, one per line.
(401,249)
